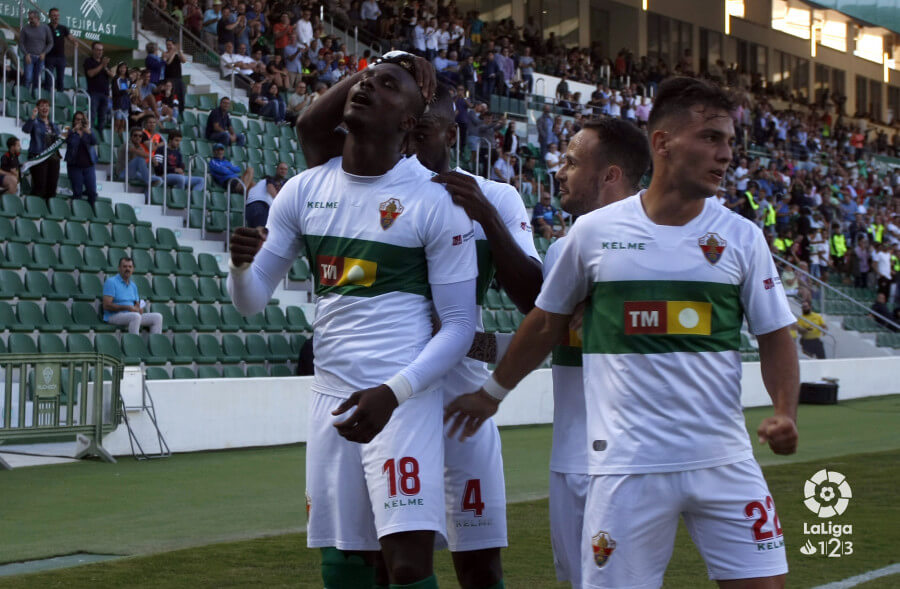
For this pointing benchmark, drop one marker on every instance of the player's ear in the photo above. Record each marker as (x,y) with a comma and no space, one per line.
(451,134)
(408,124)
(613,174)
(659,143)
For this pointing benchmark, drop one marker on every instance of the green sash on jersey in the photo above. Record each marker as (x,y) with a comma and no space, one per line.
(656,317)
(362,268)
(567,356)
(486,269)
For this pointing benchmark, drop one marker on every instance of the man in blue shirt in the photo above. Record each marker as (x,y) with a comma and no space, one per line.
(122,303)
(545,216)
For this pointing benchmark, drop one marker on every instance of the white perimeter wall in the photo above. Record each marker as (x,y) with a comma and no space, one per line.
(232,413)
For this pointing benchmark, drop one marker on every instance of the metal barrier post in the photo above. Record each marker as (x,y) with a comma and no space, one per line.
(11,51)
(457,148)
(203,218)
(52,90)
(75,67)
(112,149)
(165,176)
(79,92)
(127,146)
(228,208)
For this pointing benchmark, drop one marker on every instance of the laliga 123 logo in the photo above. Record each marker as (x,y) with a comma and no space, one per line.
(827,493)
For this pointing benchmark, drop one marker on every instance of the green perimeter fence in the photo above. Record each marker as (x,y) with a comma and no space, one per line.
(55,397)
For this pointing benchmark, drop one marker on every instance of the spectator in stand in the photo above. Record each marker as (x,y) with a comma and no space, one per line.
(545,130)
(811,325)
(174,58)
(364,62)
(136,156)
(227,29)
(283,33)
(218,125)
(122,304)
(545,216)
(526,63)
(81,157)
(293,57)
(10,167)
(304,27)
(174,168)
(56,57)
(121,96)
(369,11)
(99,75)
(298,101)
(553,159)
(277,72)
(35,40)
(492,77)
(266,103)
(224,173)
(167,101)
(880,310)
(211,20)
(154,64)
(504,169)
(862,257)
(261,196)
(45,175)
(881,259)
(562,89)
(230,62)
(193,18)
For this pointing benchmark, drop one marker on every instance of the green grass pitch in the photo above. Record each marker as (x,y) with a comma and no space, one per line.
(233,519)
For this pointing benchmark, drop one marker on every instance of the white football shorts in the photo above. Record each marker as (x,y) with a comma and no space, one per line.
(630,524)
(357,493)
(475,491)
(568,493)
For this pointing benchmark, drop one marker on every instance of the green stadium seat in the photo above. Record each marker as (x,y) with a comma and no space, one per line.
(209,347)
(143,238)
(186,264)
(44,257)
(94,260)
(279,348)
(185,346)
(233,347)
(64,285)
(103,212)
(98,235)
(156,373)
(206,102)
(299,270)
(20,343)
(17,256)
(58,317)
(275,319)
(76,234)
(208,317)
(78,342)
(231,319)
(89,284)
(166,240)
(492,299)
(210,290)
(256,372)
(168,319)
(11,206)
(135,351)
(208,372)
(165,263)
(255,322)
(126,215)
(113,255)
(11,284)
(163,290)
(256,346)
(297,342)
(27,232)
(52,232)
(490,322)
(208,266)
(59,209)
(81,211)
(186,290)
(105,343)
(296,320)
(121,236)
(183,372)
(280,370)
(143,263)
(233,372)
(38,285)
(504,322)
(70,259)
(144,289)
(84,314)
(35,208)
(28,313)
(8,318)
(177,199)
(507,302)
(185,318)
(160,347)
(7,232)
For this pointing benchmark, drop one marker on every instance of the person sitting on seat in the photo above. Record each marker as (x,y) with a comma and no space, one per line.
(122,304)
(225,173)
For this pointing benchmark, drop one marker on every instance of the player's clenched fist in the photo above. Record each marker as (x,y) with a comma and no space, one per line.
(373,410)
(780,432)
(468,412)
(245,242)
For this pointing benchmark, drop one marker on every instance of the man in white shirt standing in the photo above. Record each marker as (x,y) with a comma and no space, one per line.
(304,28)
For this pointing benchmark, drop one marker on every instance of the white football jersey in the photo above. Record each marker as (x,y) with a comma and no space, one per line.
(374,245)
(469,374)
(569,454)
(662,365)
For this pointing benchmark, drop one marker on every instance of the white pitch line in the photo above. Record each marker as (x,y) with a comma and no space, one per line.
(863,578)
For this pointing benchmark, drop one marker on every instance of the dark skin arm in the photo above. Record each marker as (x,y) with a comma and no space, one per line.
(316,125)
(781,377)
(519,274)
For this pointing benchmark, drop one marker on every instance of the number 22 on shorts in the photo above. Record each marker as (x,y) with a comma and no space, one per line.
(756,507)
(407,479)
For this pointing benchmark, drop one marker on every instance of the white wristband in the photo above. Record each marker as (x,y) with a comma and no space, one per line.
(400,387)
(237,269)
(493,388)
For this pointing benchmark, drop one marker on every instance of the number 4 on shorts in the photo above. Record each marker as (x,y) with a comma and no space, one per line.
(472,497)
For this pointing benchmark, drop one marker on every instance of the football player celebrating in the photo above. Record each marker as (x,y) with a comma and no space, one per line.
(671,276)
(388,245)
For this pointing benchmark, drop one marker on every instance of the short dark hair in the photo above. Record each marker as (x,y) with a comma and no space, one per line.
(175,134)
(624,145)
(95,43)
(125,259)
(677,95)
(10,141)
(42,101)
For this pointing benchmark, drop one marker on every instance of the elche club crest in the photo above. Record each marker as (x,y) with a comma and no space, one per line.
(47,373)
(389,210)
(603,546)
(712,245)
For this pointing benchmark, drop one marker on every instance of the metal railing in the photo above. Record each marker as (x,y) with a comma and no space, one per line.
(80,92)
(490,145)
(823,287)
(152,154)
(152,18)
(14,53)
(52,89)
(190,187)
(228,208)
(57,396)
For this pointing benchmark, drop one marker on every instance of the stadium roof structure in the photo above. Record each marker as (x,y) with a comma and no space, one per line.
(876,13)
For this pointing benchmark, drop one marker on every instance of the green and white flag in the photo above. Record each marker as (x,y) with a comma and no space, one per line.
(44,155)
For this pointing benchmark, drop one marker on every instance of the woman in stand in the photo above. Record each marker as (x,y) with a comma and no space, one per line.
(45,175)
(81,157)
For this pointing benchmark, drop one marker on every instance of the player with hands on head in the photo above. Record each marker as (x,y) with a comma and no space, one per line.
(388,246)
(671,276)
